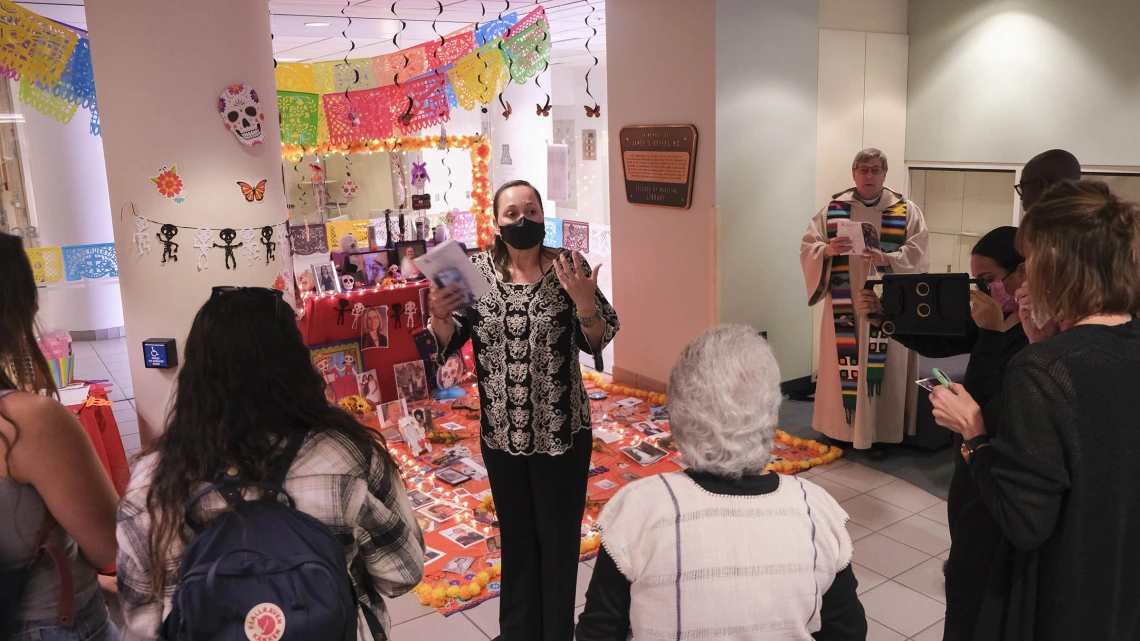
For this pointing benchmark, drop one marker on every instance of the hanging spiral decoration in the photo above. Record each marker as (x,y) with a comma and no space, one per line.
(596,112)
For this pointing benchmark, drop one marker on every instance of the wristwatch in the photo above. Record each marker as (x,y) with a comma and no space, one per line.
(972,445)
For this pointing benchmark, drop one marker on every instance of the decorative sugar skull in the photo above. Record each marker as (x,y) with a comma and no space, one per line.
(348,190)
(347,282)
(306,281)
(347,243)
(242,114)
(419,174)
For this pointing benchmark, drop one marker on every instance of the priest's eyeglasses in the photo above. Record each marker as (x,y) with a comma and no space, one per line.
(874,171)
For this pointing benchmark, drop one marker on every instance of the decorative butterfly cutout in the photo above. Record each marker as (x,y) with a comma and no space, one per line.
(406,119)
(508,112)
(252,193)
(543,111)
(596,112)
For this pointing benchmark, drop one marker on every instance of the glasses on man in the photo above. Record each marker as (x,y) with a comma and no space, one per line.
(874,171)
(1022,186)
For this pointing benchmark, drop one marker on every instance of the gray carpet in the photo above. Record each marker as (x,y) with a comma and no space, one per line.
(930,471)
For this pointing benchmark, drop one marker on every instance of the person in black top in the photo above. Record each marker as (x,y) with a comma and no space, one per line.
(1059,475)
(993,337)
(543,308)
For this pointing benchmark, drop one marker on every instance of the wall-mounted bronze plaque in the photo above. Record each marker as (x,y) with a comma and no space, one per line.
(659,161)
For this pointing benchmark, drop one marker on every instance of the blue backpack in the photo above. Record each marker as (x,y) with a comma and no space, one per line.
(263,570)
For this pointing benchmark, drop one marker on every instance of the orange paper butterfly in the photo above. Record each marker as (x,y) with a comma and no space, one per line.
(542,111)
(596,112)
(252,193)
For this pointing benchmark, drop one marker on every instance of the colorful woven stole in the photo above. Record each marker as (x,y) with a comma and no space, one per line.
(891,237)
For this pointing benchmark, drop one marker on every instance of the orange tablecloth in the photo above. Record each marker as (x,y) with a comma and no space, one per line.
(101,427)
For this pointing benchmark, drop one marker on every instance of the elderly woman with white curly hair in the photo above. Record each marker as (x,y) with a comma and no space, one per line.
(726,549)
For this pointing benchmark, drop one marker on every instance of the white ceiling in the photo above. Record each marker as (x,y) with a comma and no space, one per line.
(374,25)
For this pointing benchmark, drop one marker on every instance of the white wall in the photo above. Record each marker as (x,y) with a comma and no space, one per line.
(526,133)
(70,206)
(999,82)
(593,203)
(766,85)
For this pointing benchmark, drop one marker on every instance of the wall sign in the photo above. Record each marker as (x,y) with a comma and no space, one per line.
(421,202)
(659,162)
(160,353)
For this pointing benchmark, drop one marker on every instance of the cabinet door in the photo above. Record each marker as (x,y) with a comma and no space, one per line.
(987,202)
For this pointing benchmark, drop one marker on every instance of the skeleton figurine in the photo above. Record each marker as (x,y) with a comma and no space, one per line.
(228,236)
(241,113)
(142,240)
(169,247)
(410,312)
(267,240)
(347,282)
(357,312)
(249,246)
(203,239)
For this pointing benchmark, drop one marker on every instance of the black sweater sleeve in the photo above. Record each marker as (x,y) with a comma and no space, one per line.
(606,617)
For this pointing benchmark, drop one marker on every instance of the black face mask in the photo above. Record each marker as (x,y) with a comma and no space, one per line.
(523,235)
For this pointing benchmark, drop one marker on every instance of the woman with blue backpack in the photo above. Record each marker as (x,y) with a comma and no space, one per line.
(262,511)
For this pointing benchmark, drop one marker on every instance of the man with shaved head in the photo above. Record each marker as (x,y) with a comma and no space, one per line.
(1043,171)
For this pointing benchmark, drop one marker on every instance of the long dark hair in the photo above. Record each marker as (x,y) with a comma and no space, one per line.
(1000,246)
(500,255)
(246,384)
(22,364)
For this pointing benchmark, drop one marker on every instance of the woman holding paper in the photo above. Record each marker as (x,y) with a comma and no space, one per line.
(544,307)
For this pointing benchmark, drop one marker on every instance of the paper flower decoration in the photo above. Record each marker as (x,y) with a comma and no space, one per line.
(168,183)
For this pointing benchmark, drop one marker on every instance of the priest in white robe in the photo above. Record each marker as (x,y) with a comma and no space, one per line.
(853,404)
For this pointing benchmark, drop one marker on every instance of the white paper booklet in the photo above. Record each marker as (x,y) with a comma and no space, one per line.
(446,264)
(860,234)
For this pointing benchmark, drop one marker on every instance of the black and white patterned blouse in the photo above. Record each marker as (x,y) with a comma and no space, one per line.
(526,339)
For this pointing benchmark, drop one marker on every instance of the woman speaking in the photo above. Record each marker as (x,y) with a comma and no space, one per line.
(543,308)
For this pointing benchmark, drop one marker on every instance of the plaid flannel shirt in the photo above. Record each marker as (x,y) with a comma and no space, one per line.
(369,513)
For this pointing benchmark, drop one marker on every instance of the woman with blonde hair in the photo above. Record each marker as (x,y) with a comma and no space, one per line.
(1060,476)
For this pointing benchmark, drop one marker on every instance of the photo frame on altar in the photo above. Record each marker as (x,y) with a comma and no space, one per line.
(374,328)
(412,382)
(338,364)
(328,282)
(376,265)
(406,252)
(391,413)
(370,387)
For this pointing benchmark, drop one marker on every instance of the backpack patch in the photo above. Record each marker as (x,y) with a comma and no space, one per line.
(265,622)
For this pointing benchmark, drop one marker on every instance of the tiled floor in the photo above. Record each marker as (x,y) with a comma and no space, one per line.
(900,533)
(108,360)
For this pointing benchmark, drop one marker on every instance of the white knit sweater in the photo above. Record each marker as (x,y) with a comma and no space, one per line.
(711,566)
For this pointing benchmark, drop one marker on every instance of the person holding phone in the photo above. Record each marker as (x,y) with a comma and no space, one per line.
(1059,473)
(994,335)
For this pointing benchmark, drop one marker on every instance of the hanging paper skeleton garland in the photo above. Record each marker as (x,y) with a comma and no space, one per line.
(341,308)
(203,240)
(228,236)
(357,312)
(249,247)
(241,113)
(142,238)
(267,240)
(410,312)
(169,247)
(397,310)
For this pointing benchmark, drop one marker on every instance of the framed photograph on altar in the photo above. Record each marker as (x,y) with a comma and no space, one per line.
(391,413)
(327,280)
(370,387)
(376,265)
(412,382)
(406,252)
(374,328)
(338,364)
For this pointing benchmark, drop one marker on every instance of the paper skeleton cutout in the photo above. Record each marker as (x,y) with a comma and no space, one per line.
(341,308)
(169,247)
(142,239)
(419,175)
(397,310)
(203,239)
(267,240)
(357,312)
(410,312)
(242,114)
(348,191)
(249,246)
(228,236)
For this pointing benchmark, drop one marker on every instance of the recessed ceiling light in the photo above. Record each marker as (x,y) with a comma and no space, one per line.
(316,24)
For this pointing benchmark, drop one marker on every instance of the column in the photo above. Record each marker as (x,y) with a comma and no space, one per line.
(160,67)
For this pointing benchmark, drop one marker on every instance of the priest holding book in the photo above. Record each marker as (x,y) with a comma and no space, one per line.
(864,390)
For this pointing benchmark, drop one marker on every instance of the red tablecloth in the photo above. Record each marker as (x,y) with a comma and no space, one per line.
(323,323)
(101,427)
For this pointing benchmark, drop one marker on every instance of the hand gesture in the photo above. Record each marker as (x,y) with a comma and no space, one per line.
(445,301)
(986,311)
(1028,321)
(876,258)
(867,303)
(839,246)
(957,411)
(580,287)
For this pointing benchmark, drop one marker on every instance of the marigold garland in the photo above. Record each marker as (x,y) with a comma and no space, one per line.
(610,387)
(437,596)
(827,454)
(478,146)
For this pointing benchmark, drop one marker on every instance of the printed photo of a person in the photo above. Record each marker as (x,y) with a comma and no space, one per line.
(327,279)
(375,330)
(453,275)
